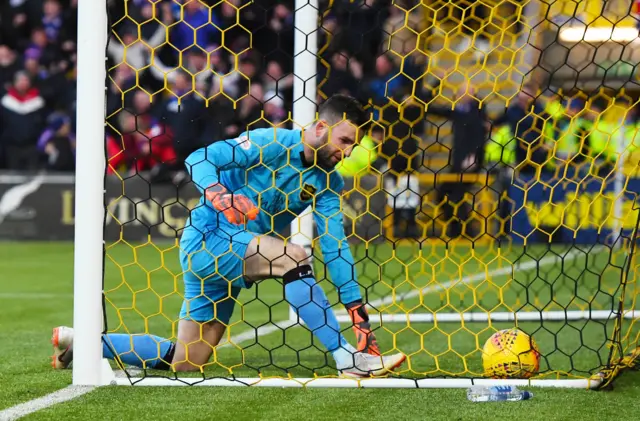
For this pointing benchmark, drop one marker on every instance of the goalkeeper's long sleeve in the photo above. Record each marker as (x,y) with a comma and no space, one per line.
(205,164)
(333,242)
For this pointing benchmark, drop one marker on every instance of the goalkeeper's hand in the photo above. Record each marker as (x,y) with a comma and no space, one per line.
(237,208)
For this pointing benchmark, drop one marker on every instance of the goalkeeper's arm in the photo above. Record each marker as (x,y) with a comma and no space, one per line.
(205,164)
(340,264)
(246,151)
(335,248)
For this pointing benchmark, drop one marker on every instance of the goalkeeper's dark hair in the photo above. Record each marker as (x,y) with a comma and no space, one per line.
(344,107)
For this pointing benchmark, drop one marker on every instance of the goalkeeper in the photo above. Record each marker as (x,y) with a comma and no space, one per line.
(225,246)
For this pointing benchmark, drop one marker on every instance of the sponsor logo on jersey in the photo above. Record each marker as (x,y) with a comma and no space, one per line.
(307,192)
(244,142)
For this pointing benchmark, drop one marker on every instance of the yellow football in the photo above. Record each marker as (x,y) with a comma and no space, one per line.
(510,354)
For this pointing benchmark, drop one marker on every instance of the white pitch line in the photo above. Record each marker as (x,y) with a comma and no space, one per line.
(26,408)
(33,295)
(255,334)
(283,324)
(469,280)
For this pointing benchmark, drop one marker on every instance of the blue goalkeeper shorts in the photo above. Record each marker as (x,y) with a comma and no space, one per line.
(213,265)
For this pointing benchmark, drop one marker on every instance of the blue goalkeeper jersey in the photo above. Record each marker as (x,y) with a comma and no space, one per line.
(268,166)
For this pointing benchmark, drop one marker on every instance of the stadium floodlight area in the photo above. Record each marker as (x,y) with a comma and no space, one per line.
(553,253)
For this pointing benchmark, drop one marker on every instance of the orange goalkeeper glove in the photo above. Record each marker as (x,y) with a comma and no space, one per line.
(366,340)
(237,208)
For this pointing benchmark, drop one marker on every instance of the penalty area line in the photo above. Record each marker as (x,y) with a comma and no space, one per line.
(466,280)
(255,334)
(471,279)
(43,402)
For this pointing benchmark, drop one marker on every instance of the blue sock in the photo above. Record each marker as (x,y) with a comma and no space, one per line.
(310,303)
(148,351)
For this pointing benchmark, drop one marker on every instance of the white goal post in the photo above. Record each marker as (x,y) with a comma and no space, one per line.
(305,49)
(89,366)
(89,192)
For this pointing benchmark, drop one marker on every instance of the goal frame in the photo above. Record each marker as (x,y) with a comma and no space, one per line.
(89,366)
(89,192)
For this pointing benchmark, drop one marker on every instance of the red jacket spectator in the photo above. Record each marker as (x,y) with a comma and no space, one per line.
(140,151)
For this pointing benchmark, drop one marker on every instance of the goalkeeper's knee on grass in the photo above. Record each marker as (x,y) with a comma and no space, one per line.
(144,351)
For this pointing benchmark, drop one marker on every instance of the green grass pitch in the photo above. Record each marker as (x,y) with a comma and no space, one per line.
(36,295)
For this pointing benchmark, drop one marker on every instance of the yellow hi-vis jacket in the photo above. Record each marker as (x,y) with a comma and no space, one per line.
(605,138)
(360,160)
(501,147)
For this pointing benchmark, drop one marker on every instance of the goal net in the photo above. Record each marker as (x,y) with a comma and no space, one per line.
(496,187)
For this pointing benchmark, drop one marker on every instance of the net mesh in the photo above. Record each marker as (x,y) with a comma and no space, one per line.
(532,214)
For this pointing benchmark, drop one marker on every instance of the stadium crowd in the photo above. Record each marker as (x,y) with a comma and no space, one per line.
(185,73)
(239,67)
(147,127)
(37,83)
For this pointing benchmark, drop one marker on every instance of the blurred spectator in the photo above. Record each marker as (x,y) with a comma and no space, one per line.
(401,165)
(343,76)
(379,84)
(135,51)
(401,31)
(46,67)
(41,49)
(360,26)
(526,119)
(470,128)
(53,20)
(404,198)
(249,70)
(57,143)
(224,79)
(21,119)
(194,24)
(123,79)
(185,117)
(143,145)
(274,110)
(386,82)
(8,67)
(195,62)
(276,81)
(249,113)
(13,23)
(123,151)
(273,34)
(470,21)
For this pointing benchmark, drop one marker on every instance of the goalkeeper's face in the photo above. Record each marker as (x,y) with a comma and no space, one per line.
(335,142)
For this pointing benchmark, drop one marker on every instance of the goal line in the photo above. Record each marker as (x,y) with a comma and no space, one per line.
(373,383)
